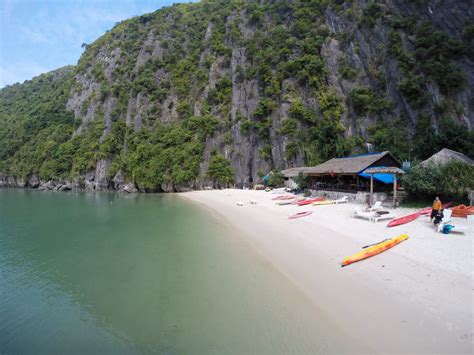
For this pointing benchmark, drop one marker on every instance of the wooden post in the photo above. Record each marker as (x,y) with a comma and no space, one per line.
(371,200)
(394,190)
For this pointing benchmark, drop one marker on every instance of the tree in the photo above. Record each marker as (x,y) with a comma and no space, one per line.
(302,181)
(276,179)
(422,181)
(220,171)
(452,180)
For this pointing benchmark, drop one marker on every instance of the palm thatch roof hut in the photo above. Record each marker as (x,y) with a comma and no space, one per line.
(353,165)
(446,155)
(347,173)
(294,172)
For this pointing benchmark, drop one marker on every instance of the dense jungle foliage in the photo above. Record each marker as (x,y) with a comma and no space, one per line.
(453,180)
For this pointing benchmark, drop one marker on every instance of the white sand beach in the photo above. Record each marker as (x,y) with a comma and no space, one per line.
(417,297)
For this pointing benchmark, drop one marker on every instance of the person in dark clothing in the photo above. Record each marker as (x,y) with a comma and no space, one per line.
(438,217)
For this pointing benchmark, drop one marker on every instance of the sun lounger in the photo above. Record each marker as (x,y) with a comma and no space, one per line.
(377,206)
(379,215)
(345,199)
(364,214)
(374,216)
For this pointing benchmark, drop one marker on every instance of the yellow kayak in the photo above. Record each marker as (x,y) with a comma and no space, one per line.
(374,250)
(323,202)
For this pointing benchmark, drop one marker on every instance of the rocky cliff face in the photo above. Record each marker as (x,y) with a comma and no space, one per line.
(265,84)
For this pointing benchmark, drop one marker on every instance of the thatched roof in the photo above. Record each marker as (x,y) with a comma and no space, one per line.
(348,165)
(445,155)
(384,170)
(293,172)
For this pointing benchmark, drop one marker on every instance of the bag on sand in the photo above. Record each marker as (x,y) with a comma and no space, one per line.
(447,228)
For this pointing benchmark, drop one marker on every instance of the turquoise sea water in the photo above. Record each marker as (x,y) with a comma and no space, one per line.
(104,273)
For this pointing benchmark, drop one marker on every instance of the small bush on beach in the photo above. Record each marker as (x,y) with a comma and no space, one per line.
(302,181)
(276,180)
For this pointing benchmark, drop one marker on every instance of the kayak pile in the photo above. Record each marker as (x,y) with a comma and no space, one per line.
(323,202)
(463,211)
(344,199)
(309,201)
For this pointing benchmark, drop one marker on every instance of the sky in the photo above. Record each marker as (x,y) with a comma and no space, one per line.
(37,36)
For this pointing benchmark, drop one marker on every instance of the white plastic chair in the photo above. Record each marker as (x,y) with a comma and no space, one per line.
(447,213)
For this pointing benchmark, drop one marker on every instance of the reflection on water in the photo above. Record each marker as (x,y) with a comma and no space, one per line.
(109,273)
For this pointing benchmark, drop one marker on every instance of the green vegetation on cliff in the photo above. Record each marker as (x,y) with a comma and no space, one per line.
(34,123)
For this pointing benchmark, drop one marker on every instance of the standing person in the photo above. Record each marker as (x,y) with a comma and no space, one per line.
(436,207)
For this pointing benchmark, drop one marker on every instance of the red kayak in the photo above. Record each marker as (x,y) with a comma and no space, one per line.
(403,220)
(309,201)
(300,214)
(425,211)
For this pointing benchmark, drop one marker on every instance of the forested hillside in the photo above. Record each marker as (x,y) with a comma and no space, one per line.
(225,91)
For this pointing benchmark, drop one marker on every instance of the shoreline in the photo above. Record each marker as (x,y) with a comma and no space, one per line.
(415,298)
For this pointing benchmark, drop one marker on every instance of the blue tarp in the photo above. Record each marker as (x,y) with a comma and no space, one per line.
(385,178)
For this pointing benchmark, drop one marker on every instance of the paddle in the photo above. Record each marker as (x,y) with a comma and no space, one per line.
(374,244)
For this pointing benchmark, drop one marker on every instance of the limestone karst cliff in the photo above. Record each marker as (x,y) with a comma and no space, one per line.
(261,85)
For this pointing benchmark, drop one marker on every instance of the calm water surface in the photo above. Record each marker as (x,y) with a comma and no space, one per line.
(103,273)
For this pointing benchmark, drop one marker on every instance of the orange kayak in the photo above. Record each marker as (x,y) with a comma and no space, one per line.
(462,211)
(374,250)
